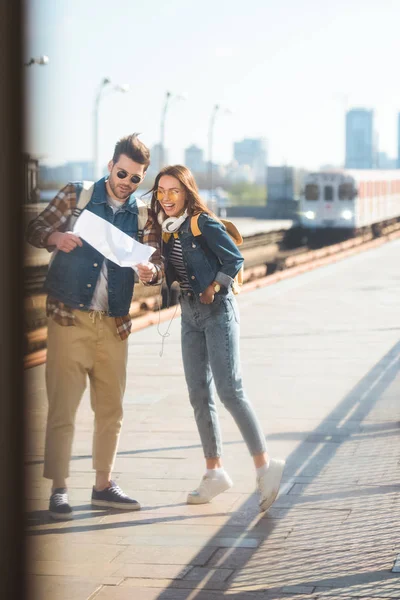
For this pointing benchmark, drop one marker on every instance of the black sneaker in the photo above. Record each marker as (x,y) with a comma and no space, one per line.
(114,497)
(59,508)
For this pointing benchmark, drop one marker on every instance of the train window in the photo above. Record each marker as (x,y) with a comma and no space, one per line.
(328,193)
(312,191)
(347,191)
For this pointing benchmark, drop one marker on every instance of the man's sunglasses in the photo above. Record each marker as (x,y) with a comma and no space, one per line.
(121,174)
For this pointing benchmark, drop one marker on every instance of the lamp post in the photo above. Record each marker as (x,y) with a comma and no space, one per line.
(216,109)
(168,97)
(100,92)
(40,60)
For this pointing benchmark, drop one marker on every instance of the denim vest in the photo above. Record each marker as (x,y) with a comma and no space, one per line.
(72,276)
(212,255)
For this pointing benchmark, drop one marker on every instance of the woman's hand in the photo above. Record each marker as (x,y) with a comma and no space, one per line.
(146,272)
(207,297)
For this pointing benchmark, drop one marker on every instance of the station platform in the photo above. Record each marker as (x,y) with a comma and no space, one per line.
(321,364)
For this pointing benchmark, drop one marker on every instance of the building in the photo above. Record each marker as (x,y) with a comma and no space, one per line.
(284,183)
(70,171)
(360,151)
(385,162)
(398,140)
(194,159)
(237,173)
(158,155)
(253,153)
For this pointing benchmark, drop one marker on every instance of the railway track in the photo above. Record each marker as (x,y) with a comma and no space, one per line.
(265,264)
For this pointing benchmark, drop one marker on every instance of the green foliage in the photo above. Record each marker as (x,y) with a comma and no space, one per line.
(243,193)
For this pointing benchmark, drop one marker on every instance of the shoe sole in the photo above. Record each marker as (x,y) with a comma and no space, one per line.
(269,500)
(117,505)
(58,517)
(193,499)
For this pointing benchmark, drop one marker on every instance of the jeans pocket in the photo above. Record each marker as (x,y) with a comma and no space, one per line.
(234,308)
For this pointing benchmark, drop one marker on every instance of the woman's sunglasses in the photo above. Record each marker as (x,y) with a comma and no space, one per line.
(170,194)
(121,174)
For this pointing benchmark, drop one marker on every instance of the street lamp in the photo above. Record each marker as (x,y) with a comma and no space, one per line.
(216,109)
(41,60)
(168,97)
(117,88)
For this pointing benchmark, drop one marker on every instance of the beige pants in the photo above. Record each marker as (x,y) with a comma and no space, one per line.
(91,348)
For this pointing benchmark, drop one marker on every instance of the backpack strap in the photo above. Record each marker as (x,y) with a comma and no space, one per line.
(143,215)
(194,225)
(84,193)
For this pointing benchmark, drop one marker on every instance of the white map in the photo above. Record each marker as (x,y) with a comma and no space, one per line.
(110,241)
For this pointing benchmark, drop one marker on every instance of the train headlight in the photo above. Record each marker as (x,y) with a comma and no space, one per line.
(310,214)
(347,214)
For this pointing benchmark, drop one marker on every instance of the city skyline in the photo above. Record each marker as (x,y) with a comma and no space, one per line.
(283,71)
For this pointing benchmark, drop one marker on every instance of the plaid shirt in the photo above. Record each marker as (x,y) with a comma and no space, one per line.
(55,217)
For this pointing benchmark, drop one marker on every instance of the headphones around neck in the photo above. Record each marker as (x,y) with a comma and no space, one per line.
(172,224)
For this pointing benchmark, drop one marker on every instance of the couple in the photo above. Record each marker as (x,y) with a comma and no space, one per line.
(88,308)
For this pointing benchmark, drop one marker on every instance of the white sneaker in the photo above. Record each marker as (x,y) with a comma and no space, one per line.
(209,488)
(268,483)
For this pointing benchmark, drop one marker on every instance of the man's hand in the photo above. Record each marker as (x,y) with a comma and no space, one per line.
(64,241)
(147,272)
(207,297)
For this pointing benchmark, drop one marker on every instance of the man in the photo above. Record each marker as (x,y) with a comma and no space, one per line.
(88,308)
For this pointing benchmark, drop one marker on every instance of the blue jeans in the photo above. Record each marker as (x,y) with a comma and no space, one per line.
(210,350)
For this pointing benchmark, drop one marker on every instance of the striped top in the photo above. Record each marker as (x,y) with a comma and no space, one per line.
(176,258)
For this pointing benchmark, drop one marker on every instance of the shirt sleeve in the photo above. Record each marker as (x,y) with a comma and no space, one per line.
(222,245)
(152,237)
(53,218)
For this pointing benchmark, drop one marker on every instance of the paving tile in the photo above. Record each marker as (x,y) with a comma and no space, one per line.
(61,588)
(63,568)
(179,555)
(151,571)
(192,540)
(57,550)
(298,589)
(208,574)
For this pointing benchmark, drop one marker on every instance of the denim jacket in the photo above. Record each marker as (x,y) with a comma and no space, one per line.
(72,276)
(211,256)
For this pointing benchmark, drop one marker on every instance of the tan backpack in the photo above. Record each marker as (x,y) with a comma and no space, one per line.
(234,234)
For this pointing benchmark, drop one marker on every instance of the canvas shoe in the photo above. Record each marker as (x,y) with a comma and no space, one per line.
(59,507)
(114,497)
(268,483)
(209,488)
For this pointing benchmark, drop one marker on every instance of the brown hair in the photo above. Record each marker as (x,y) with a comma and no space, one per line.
(133,148)
(194,203)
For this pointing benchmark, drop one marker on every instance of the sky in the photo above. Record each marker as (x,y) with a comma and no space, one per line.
(283,71)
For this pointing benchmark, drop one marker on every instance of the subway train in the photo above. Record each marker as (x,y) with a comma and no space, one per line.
(344,202)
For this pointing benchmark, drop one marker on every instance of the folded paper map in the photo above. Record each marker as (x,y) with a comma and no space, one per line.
(110,241)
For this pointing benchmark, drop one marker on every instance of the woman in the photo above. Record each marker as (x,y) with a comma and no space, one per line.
(205,267)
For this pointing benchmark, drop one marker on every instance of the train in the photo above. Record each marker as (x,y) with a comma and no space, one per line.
(345,202)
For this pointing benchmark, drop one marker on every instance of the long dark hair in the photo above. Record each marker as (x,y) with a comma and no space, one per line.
(194,203)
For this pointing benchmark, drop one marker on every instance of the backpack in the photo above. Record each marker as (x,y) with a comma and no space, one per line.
(84,198)
(234,234)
